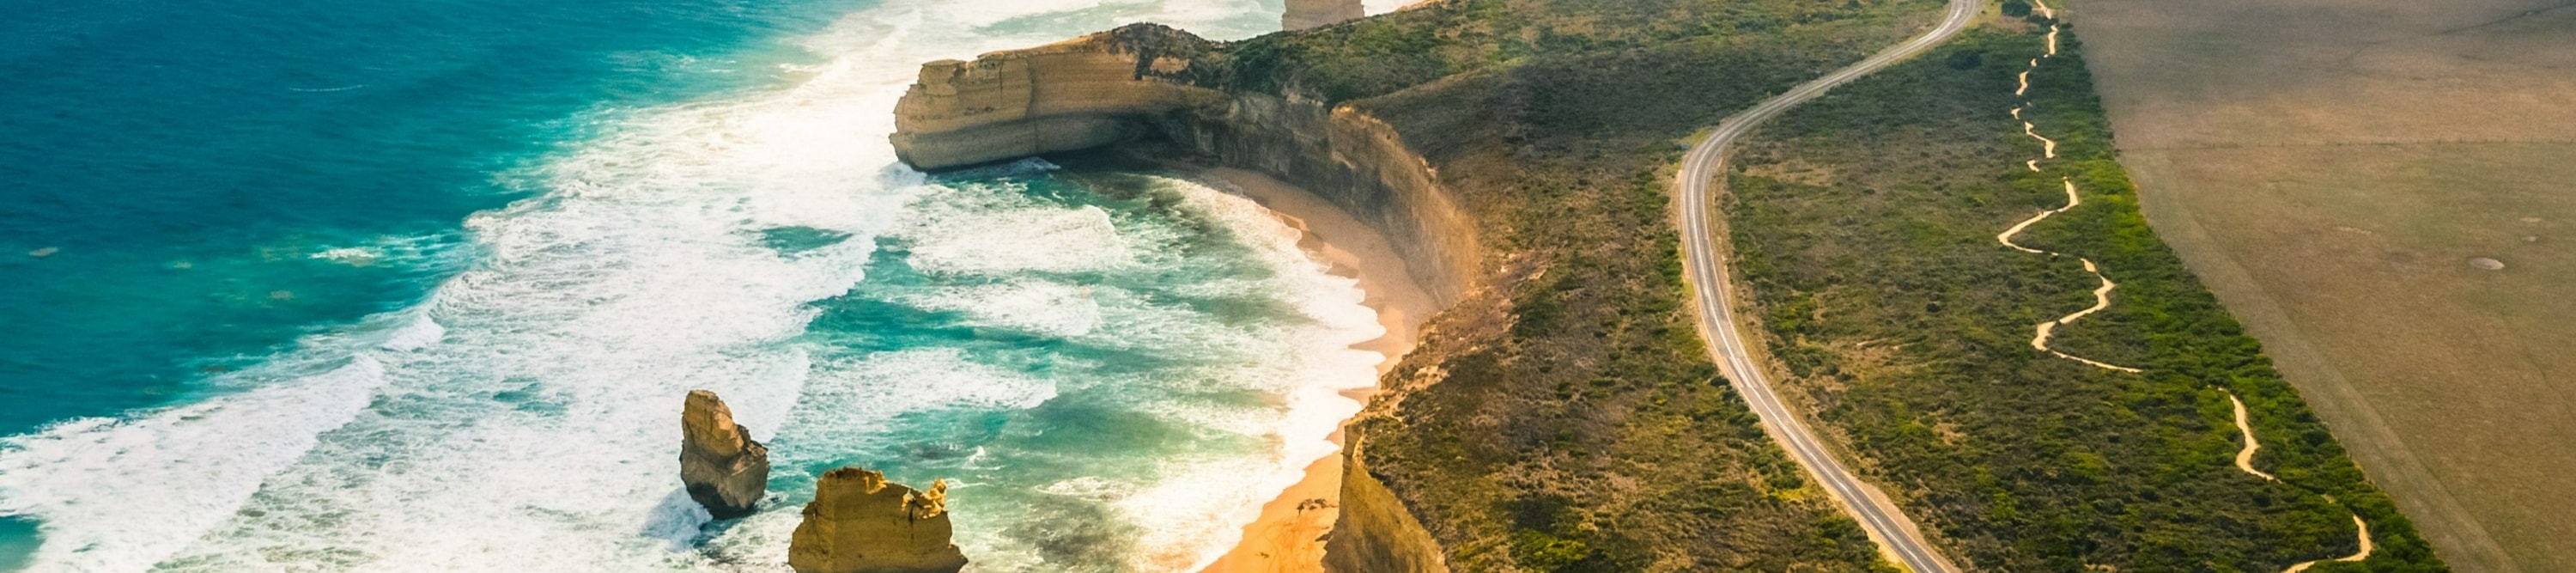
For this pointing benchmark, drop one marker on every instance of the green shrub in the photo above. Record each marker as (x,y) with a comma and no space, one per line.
(1540,551)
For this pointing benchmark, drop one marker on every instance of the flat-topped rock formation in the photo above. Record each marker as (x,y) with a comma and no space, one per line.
(861,523)
(1139,87)
(1078,94)
(1303,14)
(1137,84)
(724,469)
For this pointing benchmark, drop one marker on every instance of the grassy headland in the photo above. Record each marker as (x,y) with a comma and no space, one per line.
(1564,416)
(1865,224)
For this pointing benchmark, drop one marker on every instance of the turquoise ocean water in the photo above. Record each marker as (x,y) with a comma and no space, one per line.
(418,286)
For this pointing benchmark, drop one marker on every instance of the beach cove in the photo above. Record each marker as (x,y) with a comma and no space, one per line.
(1083,353)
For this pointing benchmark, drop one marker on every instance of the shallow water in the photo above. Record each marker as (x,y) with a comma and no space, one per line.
(419,287)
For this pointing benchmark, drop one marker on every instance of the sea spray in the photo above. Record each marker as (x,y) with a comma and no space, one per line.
(1203,372)
(1124,397)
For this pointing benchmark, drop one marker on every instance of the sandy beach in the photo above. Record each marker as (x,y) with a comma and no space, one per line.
(1288,535)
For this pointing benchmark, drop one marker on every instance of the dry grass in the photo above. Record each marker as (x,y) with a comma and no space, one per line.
(2330,168)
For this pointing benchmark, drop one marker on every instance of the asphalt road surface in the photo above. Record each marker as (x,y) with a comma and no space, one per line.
(1701,181)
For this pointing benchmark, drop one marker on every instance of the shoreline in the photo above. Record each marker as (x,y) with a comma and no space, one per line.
(1288,536)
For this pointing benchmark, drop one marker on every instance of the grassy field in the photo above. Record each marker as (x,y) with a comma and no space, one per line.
(2331,169)
(1864,225)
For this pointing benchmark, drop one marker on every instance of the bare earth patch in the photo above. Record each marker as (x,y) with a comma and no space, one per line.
(2375,187)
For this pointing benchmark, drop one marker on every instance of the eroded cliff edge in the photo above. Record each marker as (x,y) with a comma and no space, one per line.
(1305,14)
(1137,84)
(1556,415)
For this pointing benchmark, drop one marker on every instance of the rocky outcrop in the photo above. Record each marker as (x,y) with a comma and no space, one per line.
(1131,84)
(1079,94)
(723,468)
(1375,533)
(1303,14)
(1352,160)
(861,523)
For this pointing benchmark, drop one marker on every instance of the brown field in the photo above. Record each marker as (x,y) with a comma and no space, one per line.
(2332,168)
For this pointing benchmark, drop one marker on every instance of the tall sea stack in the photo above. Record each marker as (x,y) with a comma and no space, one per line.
(861,523)
(1303,14)
(724,469)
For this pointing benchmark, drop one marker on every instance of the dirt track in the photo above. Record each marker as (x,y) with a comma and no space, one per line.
(2331,168)
(1701,177)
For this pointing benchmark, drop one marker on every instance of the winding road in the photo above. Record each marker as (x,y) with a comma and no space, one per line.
(1699,185)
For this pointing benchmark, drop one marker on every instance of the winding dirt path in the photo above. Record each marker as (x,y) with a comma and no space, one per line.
(2245,427)
(2357,556)
(2245,463)
(2102,294)
(2048,150)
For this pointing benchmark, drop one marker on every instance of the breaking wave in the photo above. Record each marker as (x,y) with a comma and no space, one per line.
(1118,369)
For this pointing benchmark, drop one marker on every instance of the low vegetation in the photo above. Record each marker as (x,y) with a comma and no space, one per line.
(1566,416)
(1864,226)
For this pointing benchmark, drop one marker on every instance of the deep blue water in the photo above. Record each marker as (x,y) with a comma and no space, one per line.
(185,159)
(417,285)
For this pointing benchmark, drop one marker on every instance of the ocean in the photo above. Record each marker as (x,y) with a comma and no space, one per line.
(329,286)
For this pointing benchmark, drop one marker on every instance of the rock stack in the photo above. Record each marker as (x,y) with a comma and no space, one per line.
(861,523)
(1303,14)
(724,469)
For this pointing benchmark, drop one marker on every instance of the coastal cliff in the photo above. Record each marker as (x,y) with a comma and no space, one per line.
(722,467)
(1557,414)
(1072,95)
(1133,86)
(1138,84)
(1304,14)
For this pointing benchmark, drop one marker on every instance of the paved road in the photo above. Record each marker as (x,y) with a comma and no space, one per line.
(1700,184)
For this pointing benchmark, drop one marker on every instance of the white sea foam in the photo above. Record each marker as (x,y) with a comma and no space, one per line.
(521,419)
(1193,501)
(1034,306)
(415,335)
(987,241)
(1312,378)
(355,256)
(118,493)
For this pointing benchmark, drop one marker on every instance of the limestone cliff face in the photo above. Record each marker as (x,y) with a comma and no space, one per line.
(861,523)
(1072,95)
(723,468)
(1129,85)
(1375,532)
(1303,14)
(1354,161)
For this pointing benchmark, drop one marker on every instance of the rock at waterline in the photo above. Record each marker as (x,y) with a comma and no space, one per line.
(723,468)
(861,523)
